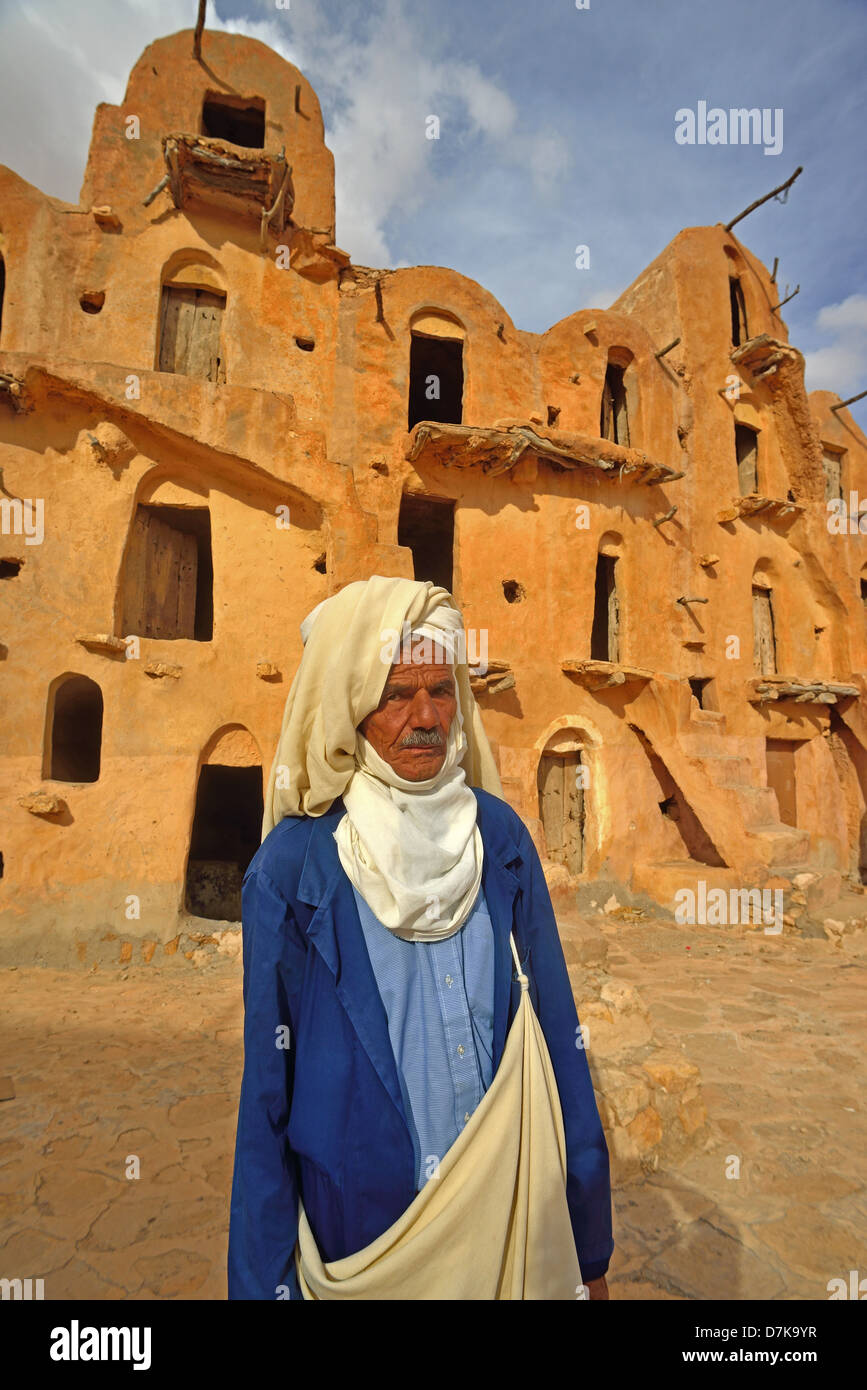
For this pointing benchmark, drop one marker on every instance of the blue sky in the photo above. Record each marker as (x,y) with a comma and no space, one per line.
(556,129)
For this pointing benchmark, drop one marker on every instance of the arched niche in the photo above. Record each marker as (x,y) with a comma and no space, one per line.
(73,733)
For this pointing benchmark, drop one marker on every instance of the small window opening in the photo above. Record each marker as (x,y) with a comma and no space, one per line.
(698,685)
(436,379)
(169,574)
(764,638)
(553,416)
(305,344)
(513,591)
(190,333)
(747,451)
(740,333)
(226,832)
(10,568)
(614,418)
(319,563)
(832,468)
(92,301)
(240,120)
(427,526)
(605,636)
(76,731)
(864,593)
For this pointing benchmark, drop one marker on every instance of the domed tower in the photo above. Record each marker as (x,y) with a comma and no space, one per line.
(237,131)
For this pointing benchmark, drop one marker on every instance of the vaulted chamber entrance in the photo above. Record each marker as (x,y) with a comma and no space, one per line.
(561,780)
(227,827)
(436,369)
(782,777)
(426,525)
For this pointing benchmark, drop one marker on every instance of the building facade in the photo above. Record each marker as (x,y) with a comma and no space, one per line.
(210,419)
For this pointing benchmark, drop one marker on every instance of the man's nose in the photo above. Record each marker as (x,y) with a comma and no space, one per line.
(422,711)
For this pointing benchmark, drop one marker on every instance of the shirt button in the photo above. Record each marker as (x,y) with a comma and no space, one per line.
(466,1117)
(461,1049)
(449,981)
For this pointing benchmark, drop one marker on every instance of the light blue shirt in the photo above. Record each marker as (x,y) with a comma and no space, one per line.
(439,1001)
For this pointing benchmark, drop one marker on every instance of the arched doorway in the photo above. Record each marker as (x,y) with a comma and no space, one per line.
(227,825)
(563,781)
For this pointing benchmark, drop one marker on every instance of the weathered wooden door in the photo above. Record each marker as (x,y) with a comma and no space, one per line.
(561,808)
(615,415)
(161,575)
(764,642)
(190,325)
(605,632)
(747,448)
(832,467)
(780,757)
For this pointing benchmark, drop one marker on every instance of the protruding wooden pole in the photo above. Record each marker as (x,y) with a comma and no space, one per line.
(197,36)
(851,400)
(758,203)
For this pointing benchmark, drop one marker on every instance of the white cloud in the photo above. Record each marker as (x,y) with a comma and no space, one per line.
(841,366)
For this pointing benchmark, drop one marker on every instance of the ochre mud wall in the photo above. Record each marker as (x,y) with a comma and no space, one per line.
(638,539)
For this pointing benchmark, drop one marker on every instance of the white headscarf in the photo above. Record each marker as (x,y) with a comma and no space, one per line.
(412,849)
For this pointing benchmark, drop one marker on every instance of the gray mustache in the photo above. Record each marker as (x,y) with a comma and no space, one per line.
(423,738)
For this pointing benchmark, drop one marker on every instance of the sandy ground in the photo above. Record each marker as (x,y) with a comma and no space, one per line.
(146,1062)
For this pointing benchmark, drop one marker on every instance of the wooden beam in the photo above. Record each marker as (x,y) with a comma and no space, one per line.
(851,400)
(758,203)
(197,34)
(795,291)
(662,351)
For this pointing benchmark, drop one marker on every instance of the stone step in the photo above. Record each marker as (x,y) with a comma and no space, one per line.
(778,844)
(728,769)
(759,806)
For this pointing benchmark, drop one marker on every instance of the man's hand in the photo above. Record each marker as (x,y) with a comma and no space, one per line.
(597,1288)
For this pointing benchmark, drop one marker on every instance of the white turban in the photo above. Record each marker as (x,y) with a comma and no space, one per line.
(412,849)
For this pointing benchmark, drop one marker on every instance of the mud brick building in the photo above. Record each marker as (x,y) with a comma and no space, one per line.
(210,419)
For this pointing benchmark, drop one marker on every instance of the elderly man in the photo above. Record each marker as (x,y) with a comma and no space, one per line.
(417,1119)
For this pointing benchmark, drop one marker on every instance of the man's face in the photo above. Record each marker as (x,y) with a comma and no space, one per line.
(410,726)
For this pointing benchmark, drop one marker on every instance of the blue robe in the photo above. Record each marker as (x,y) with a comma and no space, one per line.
(324,1116)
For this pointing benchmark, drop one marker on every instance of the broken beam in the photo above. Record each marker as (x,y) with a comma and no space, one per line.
(795,291)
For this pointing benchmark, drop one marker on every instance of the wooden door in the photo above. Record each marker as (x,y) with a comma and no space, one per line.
(747,448)
(561,808)
(764,643)
(832,467)
(190,327)
(780,757)
(161,577)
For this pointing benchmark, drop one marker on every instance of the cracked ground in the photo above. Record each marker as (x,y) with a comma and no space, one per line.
(144,1063)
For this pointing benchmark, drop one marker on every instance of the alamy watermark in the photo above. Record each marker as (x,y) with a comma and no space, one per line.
(718,908)
(736,126)
(468,648)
